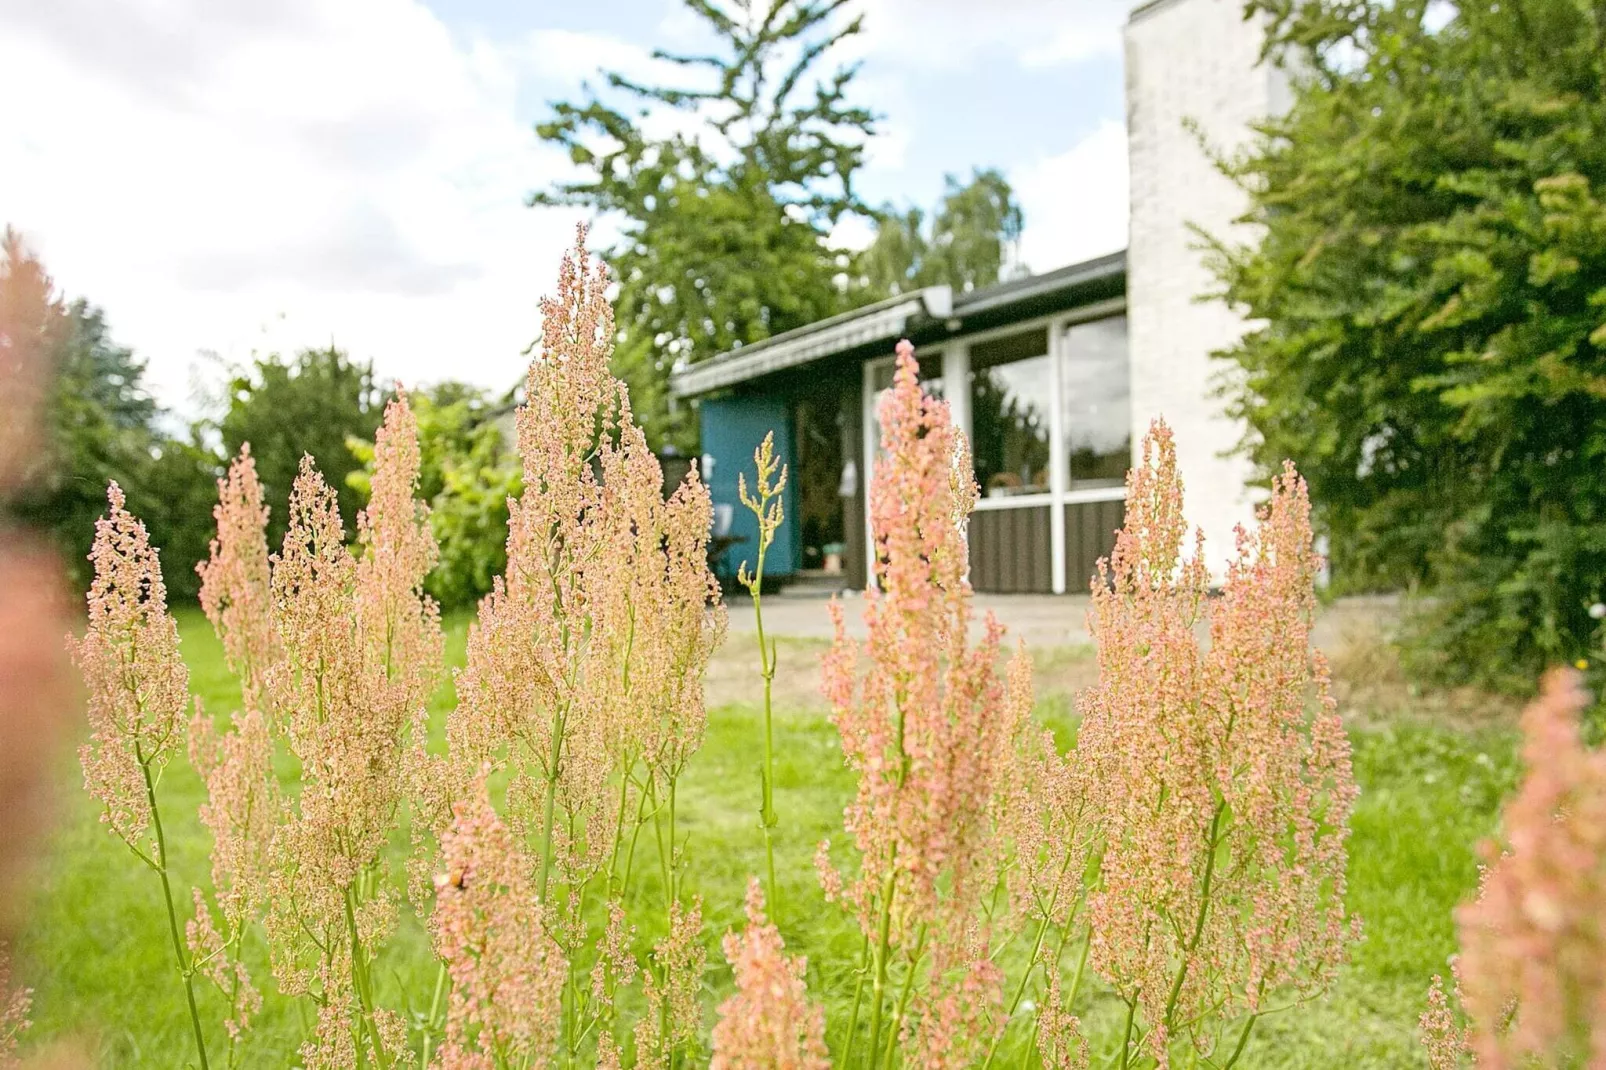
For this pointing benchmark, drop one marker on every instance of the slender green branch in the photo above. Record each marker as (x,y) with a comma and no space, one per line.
(858,1000)
(435,1010)
(1126,1035)
(184,967)
(363,983)
(549,807)
(908,990)
(1199,922)
(1243,1039)
(883,953)
(765,505)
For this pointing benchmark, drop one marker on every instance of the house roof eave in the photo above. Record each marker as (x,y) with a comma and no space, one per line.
(884,319)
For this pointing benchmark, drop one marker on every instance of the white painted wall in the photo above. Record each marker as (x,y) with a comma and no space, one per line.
(1189,60)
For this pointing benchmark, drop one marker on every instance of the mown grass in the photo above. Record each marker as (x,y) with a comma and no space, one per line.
(96,950)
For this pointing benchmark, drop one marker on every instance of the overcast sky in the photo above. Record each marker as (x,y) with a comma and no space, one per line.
(239,176)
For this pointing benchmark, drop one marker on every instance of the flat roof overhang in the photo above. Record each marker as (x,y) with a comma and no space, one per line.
(884,319)
(923,316)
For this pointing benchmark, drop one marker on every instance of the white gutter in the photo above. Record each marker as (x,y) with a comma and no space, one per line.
(882,320)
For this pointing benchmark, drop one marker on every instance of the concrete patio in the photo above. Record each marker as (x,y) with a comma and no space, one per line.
(1045,621)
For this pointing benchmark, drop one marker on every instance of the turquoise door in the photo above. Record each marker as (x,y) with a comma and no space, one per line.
(732,429)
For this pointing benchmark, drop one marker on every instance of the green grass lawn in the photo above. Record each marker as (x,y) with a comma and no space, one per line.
(96,949)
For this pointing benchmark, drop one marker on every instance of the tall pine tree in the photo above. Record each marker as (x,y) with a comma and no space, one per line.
(726,224)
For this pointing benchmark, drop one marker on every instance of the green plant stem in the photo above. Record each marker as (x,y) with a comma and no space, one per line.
(671,894)
(1126,1036)
(883,940)
(1199,922)
(767,818)
(1081,964)
(1243,1039)
(549,807)
(908,990)
(858,999)
(635,834)
(434,1011)
(172,915)
(361,981)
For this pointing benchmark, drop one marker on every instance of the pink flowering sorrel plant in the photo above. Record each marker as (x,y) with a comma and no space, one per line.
(769,1023)
(582,687)
(1531,976)
(243,799)
(359,650)
(766,506)
(921,731)
(138,694)
(507,972)
(1223,800)
(1043,817)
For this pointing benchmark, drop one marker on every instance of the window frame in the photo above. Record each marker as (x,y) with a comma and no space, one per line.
(954,354)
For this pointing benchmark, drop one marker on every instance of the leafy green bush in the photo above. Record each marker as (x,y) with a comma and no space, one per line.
(1431,285)
(467,474)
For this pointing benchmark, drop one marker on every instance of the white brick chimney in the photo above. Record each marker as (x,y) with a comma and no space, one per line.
(1189,61)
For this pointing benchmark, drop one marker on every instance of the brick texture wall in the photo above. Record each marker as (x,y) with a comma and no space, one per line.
(1189,61)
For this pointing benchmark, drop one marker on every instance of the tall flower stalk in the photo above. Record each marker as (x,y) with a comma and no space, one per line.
(360,650)
(766,505)
(138,694)
(920,731)
(769,1023)
(243,799)
(1223,798)
(583,676)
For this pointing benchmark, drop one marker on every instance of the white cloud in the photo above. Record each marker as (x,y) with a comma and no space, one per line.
(1075,202)
(962,34)
(233,176)
(260,175)
(572,56)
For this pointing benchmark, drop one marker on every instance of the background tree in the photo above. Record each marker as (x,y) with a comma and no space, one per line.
(102,425)
(1432,288)
(972,240)
(725,224)
(311,404)
(467,472)
(30,314)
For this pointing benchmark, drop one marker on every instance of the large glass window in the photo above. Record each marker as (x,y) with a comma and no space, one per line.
(881,373)
(1009,413)
(1095,380)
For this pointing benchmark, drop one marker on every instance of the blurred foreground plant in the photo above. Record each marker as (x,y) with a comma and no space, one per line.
(1531,976)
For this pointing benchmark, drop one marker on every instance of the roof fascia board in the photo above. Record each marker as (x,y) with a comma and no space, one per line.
(859,327)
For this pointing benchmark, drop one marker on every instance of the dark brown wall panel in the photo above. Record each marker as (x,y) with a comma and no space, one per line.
(854,558)
(1090,529)
(1010,551)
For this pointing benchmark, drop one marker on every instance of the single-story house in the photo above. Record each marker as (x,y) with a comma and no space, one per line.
(1053,377)
(1036,373)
